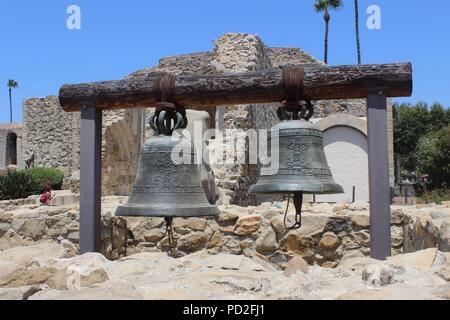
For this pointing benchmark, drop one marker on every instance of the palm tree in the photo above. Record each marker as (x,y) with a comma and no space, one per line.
(326,6)
(358,46)
(12,84)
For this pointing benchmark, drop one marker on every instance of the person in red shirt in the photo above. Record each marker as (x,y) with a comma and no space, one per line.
(46,194)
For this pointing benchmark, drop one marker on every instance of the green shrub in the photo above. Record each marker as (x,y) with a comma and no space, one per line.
(41,176)
(436,196)
(16,185)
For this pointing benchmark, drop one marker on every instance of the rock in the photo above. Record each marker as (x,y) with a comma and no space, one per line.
(348,243)
(154,235)
(117,290)
(444,273)
(247,225)
(362,238)
(267,242)
(266,265)
(338,224)
(358,206)
(313,224)
(74,237)
(321,208)
(70,249)
(21,274)
(80,271)
(277,224)
(296,244)
(224,261)
(4,227)
(296,264)
(329,265)
(74,277)
(6,217)
(368,294)
(170,294)
(378,275)
(340,207)
(397,217)
(33,228)
(422,260)
(21,293)
(215,240)
(11,239)
(227,218)
(352,255)
(440,215)
(196,224)
(139,227)
(192,242)
(444,237)
(44,249)
(329,241)
(396,237)
(360,219)
(232,245)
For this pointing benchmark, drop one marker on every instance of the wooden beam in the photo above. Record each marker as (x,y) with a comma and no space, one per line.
(199,91)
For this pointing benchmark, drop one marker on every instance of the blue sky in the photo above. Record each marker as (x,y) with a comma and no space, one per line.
(118,37)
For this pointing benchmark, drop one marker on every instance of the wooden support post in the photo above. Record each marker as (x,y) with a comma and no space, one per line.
(90,178)
(379,195)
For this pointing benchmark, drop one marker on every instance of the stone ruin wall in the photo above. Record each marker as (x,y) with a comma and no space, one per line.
(54,134)
(329,234)
(9,151)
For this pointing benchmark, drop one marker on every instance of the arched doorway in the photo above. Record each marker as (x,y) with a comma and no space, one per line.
(345,144)
(11,149)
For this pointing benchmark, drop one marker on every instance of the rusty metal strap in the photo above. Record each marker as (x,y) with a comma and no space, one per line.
(165,87)
(292,81)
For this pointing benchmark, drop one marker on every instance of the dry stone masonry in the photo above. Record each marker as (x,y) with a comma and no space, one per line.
(245,253)
(329,234)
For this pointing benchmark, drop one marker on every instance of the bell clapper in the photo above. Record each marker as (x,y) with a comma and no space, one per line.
(169,232)
(298,202)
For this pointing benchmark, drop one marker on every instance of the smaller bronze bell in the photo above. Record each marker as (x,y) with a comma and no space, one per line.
(303,166)
(163,187)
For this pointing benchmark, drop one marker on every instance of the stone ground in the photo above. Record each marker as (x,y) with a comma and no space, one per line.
(326,259)
(48,270)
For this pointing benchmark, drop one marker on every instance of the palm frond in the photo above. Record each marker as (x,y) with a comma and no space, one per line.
(322,5)
(12,84)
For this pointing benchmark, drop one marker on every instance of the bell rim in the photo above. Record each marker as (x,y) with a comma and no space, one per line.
(287,188)
(161,212)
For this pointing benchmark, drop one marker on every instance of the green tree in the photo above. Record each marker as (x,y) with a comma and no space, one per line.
(433,154)
(12,84)
(415,133)
(410,123)
(358,45)
(325,6)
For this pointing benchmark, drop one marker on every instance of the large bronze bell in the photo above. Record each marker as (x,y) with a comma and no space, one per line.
(163,186)
(303,167)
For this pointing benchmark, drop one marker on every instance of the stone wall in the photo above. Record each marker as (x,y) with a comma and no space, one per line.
(48,131)
(10,144)
(329,233)
(54,136)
